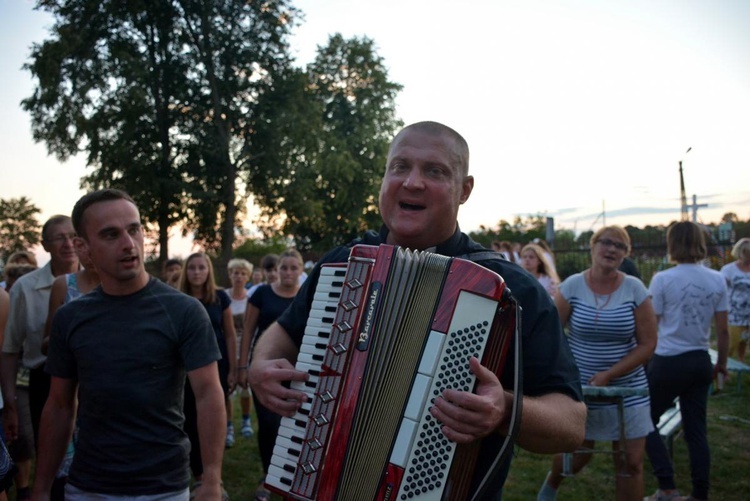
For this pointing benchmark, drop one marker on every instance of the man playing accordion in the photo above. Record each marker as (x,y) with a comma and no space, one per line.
(425,181)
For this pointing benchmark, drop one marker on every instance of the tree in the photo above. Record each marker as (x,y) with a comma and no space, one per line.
(321,165)
(19,228)
(157,94)
(110,79)
(238,48)
(520,230)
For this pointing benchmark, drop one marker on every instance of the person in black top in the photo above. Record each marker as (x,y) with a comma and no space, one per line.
(425,182)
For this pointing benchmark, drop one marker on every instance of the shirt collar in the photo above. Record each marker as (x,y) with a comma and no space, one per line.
(450,247)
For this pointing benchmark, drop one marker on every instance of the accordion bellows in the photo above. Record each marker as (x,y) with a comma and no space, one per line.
(387,333)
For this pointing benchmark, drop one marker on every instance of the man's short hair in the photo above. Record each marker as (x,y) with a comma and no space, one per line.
(269,261)
(437,129)
(53,221)
(172,261)
(92,198)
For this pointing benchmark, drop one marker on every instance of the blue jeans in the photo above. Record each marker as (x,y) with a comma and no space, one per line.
(688,377)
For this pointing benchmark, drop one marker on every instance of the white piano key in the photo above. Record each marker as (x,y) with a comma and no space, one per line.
(287,447)
(278,474)
(316,353)
(319,323)
(278,483)
(322,287)
(322,314)
(326,298)
(321,333)
(290,429)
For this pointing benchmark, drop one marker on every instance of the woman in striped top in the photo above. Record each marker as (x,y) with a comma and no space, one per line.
(612,333)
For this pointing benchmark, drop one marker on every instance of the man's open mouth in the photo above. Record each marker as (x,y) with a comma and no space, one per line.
(407,206)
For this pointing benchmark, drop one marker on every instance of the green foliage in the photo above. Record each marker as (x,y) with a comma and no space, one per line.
(522,230)
(322,168)
(157,94)
(192,106)
(19,228)
(254,250)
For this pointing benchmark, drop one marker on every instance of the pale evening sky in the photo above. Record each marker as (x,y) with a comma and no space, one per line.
(567,106)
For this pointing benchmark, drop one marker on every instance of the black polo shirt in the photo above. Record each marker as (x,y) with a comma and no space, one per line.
(548,365)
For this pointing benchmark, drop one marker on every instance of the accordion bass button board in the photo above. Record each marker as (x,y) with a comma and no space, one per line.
(387,334)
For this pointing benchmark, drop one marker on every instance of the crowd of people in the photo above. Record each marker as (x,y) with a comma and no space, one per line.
(122,386)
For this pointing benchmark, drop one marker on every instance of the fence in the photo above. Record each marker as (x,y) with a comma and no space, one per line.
(648,258)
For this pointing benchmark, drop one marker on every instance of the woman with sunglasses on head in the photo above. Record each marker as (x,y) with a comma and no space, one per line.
(612,333)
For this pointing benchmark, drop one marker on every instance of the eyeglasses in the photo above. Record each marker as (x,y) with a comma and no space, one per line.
(59,239)
(611,243)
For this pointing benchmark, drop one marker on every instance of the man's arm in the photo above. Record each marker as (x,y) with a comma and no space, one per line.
(55,431)
(11,348)
(550,423)
(230,338)
(212,425)
(273,363)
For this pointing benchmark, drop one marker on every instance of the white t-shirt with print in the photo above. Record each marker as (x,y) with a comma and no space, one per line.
(685,298)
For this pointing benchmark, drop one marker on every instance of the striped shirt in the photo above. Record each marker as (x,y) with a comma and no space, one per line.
(601,331)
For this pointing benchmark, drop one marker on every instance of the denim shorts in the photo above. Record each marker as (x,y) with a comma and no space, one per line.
(603,423)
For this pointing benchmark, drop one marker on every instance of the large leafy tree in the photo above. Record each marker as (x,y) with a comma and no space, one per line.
(326,183)
(111,84)
(238,48)
(19,228)
(156,94)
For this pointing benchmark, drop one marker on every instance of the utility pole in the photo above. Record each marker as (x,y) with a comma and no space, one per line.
(695,208)
(683,197)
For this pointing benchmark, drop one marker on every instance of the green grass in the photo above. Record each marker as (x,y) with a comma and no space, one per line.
(728,434)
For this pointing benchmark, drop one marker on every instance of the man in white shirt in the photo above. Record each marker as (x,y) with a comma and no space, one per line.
(29,304)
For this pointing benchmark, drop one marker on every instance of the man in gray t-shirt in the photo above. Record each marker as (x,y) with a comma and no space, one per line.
(126,348)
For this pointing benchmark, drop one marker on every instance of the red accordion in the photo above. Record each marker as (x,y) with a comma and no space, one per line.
(388,333)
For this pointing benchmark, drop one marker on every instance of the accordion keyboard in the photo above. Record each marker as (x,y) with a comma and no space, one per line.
(310,359)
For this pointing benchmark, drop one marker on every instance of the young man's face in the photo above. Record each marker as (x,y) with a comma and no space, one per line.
(113,240)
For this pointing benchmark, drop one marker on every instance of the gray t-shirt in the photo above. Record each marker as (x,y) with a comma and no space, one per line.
(130,355)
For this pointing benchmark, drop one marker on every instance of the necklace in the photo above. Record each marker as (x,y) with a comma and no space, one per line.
(596,299)
(600,308)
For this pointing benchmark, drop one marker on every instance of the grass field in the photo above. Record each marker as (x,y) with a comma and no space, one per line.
(729,438)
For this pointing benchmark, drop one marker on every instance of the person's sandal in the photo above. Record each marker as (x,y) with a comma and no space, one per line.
(261,493)
(660,495)
(197,484)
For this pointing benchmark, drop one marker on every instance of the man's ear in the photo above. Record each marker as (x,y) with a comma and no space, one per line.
(81,246)
(466,188)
